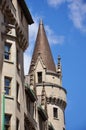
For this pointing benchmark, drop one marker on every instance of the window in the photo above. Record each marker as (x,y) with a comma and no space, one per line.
(17,124)
(7,51)
(39,77)
(18,95)
(17,92)
(28,103)
(7,85)
(7,121)
(55,112)
(17,60)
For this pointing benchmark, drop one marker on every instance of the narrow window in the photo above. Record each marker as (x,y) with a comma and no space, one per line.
(17,124)
(7,51)
(39,77)
(17,58)
(55,112)
(28,103)
(7,121)
(7,85)
(17,92)
(18,96)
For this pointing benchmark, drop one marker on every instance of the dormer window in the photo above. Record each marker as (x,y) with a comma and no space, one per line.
(39,77)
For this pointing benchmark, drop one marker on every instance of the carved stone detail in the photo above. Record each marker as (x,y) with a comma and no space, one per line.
(56,101)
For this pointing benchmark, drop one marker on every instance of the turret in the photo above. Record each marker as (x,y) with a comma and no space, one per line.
(50,93)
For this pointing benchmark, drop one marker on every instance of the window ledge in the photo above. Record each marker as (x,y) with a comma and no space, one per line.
(8,61)
(9,97)
(56,118)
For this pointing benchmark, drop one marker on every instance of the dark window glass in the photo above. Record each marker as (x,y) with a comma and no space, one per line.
(7,85)
(7,51)
(17,124)
(7,121)
(28,103)
(55,112)
(39,77)
(18,96)
(17,58)
(17,92)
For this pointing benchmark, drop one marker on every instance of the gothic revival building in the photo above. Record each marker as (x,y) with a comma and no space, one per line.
(48,82)
(14,20)
(36,101)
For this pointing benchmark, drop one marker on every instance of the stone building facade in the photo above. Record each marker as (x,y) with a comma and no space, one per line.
(14,20)
(48,81)
(36,101)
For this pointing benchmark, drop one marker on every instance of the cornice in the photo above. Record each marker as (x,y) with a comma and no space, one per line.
(51,84)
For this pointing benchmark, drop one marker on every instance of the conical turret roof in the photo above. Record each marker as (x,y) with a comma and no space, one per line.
(42,47)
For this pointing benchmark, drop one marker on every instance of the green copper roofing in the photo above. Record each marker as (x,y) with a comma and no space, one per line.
(3,112)
(51,127)
(30,92)
(42,112)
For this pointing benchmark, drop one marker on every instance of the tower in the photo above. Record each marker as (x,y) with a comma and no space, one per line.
(48,79)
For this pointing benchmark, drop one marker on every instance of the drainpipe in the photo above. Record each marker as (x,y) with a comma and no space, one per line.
(3,111)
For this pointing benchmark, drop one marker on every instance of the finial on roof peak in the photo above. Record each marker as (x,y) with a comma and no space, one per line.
(59,63)
(59,68)
(41,21)
(59,58)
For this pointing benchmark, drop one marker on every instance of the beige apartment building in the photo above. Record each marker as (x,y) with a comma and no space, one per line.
(36,101)
(14,20)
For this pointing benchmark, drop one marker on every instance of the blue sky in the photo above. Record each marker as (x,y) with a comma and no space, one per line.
(65,24)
